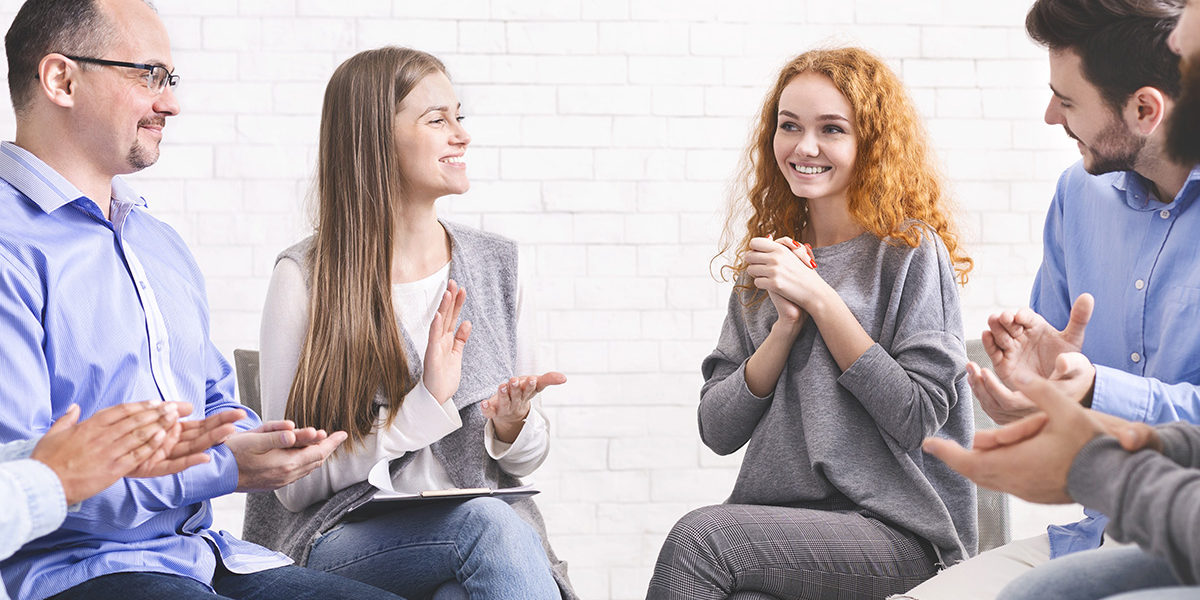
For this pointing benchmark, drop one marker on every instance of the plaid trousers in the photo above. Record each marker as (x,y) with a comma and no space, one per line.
(740,551)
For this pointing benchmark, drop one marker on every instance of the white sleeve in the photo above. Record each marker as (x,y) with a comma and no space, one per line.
(284,327)
(526,453)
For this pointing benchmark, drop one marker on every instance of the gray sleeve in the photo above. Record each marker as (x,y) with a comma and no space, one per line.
(1181,443)
(910,387)
(1149,499)
(729,412)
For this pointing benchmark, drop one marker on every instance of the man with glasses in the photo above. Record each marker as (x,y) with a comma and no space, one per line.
(101,305)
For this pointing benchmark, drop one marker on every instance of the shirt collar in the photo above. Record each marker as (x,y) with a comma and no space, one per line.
(1137,191)
(45,186)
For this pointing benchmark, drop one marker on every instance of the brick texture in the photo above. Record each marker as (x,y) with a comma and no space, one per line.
(604,134)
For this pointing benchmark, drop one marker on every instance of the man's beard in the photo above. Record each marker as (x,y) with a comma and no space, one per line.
(141,155)
(1115,149)
(1183,125)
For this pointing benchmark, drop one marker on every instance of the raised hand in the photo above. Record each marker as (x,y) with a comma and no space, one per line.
(443,355)
(1072,370)
(91,455)
(509,406)
(277,454)
(1023,342)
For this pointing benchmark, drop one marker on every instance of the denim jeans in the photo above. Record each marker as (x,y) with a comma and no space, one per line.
(283,583)
(480,543)
(1100,573)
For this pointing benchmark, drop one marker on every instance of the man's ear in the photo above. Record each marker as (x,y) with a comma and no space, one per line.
(1146,109)
(57,79)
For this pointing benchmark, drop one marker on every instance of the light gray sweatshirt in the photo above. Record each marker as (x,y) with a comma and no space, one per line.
(826,436)
(1151,499)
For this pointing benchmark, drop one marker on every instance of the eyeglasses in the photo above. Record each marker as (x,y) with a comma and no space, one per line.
(157,77)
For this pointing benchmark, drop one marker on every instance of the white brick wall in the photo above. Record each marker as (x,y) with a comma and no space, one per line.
(604,133)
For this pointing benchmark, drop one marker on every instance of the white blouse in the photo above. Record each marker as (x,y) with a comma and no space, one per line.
(421,420)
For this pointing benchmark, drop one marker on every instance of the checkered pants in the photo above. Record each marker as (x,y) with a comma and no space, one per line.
(748,551)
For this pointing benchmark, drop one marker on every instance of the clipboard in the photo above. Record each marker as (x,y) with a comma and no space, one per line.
(384,500)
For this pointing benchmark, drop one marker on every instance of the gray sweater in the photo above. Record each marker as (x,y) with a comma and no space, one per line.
(827,438)
(486,265)
(1151,499)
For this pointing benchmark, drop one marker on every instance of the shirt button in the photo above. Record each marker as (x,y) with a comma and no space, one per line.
(1139,284)
(1135,357)
(159,345)
(1164,213)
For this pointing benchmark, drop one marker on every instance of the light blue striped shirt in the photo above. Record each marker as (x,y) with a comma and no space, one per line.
(1108,236)
(31,499)
(98,313)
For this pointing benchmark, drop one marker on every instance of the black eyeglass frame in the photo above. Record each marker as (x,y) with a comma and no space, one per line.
(169,79)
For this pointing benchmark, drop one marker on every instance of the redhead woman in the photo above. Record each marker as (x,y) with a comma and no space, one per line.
(410,334)
(842,349)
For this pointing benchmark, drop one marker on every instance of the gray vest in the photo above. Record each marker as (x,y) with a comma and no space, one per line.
(486,265)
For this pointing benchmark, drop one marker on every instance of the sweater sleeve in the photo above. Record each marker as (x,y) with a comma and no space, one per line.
(33,502)
(420,422)
(729,412)
(1181,443)
(910,387)
(1149,498)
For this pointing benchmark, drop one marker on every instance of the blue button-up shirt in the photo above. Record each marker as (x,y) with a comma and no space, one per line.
(100,312)
(1107,235)
(31,499)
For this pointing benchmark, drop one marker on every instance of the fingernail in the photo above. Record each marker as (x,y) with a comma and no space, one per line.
(795,244)
(812,263)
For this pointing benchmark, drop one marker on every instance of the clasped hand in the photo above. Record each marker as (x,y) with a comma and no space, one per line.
(785,269)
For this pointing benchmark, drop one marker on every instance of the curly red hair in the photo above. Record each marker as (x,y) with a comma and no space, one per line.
(896,186)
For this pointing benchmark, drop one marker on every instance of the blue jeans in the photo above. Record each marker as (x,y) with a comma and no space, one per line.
(481,543)
(1100,573)
(283,583)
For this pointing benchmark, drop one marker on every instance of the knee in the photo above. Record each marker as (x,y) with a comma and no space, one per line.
(694,531)
(495,519)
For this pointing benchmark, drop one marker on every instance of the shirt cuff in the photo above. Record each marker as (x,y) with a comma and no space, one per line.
(422,413)
(205,482)
(1121,394)
(422,407)
(43,494)
(531,437)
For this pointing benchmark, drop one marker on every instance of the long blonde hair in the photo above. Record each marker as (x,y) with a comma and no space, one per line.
(353,349)
(895,182)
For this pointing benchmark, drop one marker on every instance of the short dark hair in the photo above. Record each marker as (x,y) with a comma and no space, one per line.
(1122,43)
(41,27)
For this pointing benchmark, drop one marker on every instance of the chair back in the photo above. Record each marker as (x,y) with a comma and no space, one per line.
(245,363)
(995,528)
